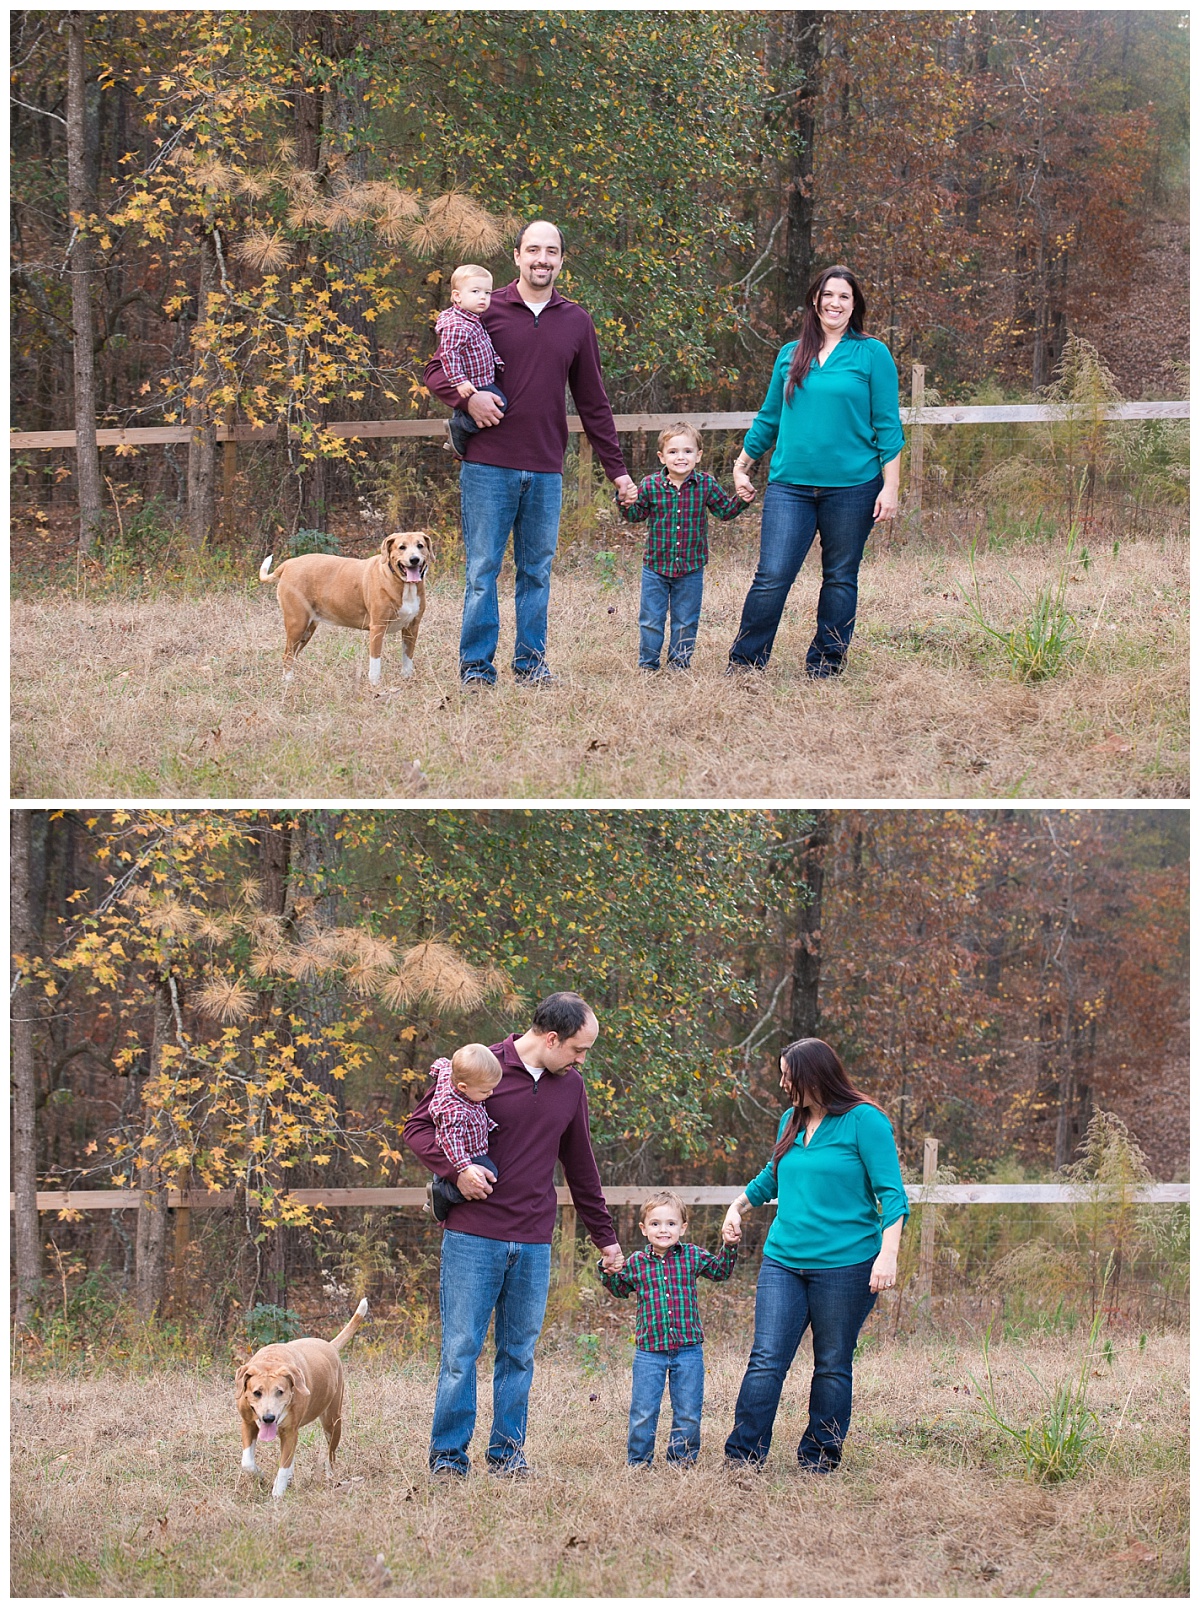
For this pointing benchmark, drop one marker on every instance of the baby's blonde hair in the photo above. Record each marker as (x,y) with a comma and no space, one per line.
(663,1197)
(467,270)
(475,1062)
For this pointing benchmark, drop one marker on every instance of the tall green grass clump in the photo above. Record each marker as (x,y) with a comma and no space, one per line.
(1046,639)
(1059,1444)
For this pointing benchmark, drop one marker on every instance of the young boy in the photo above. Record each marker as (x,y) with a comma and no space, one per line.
(460,1119)
(669,1340)
(465,348)
(675,501)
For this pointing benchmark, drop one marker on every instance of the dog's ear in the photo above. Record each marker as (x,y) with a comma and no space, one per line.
(240,1378)
(385,546)
(294,1374)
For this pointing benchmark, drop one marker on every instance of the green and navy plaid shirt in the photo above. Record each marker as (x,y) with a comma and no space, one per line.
(668,1313)
(677,538)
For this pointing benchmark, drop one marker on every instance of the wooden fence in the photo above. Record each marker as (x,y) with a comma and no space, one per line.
(928,1195)
(917,416)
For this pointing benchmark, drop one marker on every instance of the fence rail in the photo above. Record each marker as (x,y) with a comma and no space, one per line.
(118,1200)
(369,429)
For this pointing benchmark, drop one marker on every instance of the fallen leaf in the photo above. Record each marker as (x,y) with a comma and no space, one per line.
(1136,1552)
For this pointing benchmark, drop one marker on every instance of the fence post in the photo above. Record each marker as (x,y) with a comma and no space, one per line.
(916,459)
(928,1224)
(583,481)
(566,1246)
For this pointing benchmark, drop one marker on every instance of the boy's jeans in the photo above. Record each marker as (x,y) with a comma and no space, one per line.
(791,517)
(682,594)
(479,1276)
(494,502)
(463,426)
(683,1370)
(836,1302)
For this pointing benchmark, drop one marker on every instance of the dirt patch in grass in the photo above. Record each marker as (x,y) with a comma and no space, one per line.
(131,1487)
(182,698)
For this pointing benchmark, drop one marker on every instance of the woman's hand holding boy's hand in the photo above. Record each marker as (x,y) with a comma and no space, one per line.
(731,1232)
(742,484)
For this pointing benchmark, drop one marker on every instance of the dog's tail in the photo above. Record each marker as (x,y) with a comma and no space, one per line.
(352,1327)
(264,570)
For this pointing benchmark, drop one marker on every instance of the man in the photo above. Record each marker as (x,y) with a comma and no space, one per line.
(511,479)
(496,1244)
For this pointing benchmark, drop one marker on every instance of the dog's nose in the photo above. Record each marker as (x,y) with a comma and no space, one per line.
(268,1418)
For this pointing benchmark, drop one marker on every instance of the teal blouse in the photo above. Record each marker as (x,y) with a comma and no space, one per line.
(841,426)
(836,1194)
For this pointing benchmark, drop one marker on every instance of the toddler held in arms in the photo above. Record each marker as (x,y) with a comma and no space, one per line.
(465,348)
(461,1120)
(669,1340)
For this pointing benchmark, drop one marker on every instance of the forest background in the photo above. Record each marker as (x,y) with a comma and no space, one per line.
(260,211)
(251,1000)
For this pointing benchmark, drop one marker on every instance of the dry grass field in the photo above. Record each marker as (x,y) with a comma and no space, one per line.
(126,1485)
(182,696)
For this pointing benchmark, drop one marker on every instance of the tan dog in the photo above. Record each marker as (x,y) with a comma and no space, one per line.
(383,593)
(284,1387)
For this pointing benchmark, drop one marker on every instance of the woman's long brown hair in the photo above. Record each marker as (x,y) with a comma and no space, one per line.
(814,1070)
(808,344)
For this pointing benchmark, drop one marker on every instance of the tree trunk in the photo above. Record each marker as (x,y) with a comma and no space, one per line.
(806,947)
(80,203)
(802,61)
(150,1270)
(27,1243)
(202,448)
(275,855)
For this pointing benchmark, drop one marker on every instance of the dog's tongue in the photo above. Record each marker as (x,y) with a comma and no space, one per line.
(268,1431)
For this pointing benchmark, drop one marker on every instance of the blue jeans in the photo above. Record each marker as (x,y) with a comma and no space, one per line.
(791,517)
(836,1302)
(682,594)
(683,1371)
(478,1277)
(494,502)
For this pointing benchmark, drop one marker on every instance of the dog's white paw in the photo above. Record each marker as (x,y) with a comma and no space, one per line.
(375,672)
(406,667)
(288,676)
(248,1463)
(282,1480)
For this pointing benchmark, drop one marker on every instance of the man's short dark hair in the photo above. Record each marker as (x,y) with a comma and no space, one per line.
(563,1014)
(562,243)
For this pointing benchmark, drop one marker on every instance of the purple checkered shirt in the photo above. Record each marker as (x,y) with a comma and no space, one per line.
(462,1126)
(668,1312)
(677,535)
(465,348)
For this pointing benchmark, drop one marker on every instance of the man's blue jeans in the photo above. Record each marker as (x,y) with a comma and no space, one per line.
(682,594)
(835,1301)
(682,1370)
(791,517)
(495,502)
(478,1277)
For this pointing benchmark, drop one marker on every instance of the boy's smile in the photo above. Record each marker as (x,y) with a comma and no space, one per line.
(679,457)
(662,1227)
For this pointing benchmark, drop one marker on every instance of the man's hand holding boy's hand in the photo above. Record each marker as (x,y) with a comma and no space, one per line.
(627,491)
(612,1259)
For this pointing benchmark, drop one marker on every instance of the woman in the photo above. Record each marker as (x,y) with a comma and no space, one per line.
(832,414)
(830,1250)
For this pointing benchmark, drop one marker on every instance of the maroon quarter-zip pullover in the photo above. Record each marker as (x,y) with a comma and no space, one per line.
(537,1124)
(541,357)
